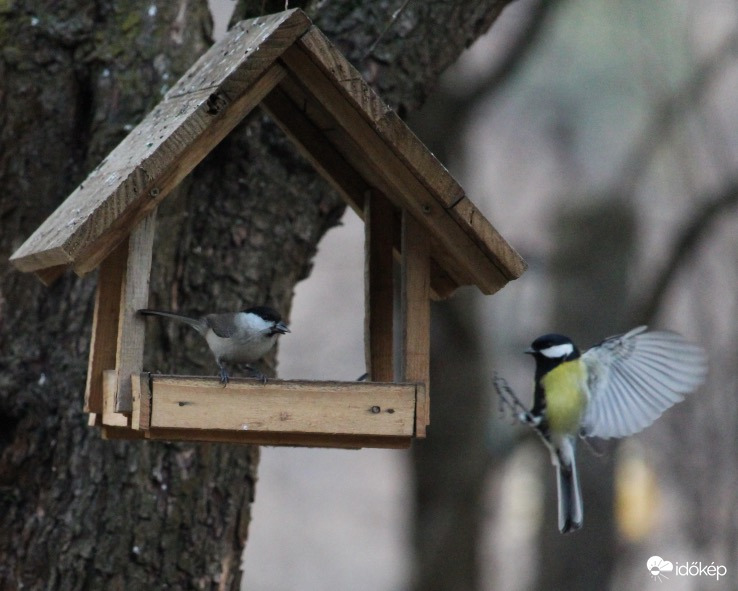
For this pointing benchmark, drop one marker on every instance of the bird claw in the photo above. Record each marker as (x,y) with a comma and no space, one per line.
(528,418)
(257,374)
(223,376)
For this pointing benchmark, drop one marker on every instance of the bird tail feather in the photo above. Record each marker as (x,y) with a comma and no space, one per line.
(195,323)
(570,495)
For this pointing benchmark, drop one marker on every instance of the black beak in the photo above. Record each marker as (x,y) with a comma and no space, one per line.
(530,351)
(280,328)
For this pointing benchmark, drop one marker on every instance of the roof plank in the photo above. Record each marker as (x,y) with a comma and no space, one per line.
(227,82)
(369,153)
(349,134)
(381,117)
(414,153)
(365,153)
(307,135)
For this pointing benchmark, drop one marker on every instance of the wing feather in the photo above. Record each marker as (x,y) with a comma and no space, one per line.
(223,325)
(628,400)
(635,377)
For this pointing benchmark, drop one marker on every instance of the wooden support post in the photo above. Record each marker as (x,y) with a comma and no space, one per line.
(134,294)
(105,326)
(51,274)
(141,415)
(416,314)
(111,418)
(379,228)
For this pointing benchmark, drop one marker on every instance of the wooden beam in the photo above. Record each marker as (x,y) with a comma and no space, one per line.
(280,439)
(180,153)
(313,146)
(361,154)
(399,138)
(368,153)
(110,386)
(443,284)
(141,399)
(388,147)
(49,275)
(215,94)
(379,231)
(327,410)
(105,326)
(134,295)
(335,408)
(422,411)
(415,273)
(505,257)
(306,124)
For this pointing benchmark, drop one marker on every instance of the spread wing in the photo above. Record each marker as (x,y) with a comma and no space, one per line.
(633,378)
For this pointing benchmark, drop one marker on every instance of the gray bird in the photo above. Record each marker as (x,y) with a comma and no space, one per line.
(238,337)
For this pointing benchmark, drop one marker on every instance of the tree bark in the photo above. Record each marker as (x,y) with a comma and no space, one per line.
(77,512)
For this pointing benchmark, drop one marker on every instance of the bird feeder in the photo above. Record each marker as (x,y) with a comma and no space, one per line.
(414,212)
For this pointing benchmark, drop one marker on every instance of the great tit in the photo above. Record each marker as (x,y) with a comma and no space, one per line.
(239,337)
(614,389)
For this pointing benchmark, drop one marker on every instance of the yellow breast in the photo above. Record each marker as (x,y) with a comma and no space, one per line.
(566,396)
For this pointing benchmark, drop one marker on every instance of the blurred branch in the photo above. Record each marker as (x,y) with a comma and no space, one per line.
(687,240)
(455,108)
(537,20)
(670,110)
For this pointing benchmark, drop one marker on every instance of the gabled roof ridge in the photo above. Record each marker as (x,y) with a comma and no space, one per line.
(319,99)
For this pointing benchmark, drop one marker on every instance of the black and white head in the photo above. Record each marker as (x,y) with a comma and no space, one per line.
(265,320)
(550,350)
(554,346)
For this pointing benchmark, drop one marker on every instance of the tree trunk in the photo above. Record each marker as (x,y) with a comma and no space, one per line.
(77,512)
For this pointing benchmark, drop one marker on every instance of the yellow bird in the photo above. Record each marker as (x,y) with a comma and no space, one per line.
(614,389)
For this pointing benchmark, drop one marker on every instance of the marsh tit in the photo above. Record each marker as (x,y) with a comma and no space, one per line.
(239,337)
(614,389)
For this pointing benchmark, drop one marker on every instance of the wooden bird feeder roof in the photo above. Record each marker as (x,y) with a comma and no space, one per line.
(413,209)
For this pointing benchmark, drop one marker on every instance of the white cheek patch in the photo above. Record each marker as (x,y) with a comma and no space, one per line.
(558,351)
(254,322)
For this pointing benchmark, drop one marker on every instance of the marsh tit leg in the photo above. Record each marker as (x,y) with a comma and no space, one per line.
(257,374)
(223,374)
